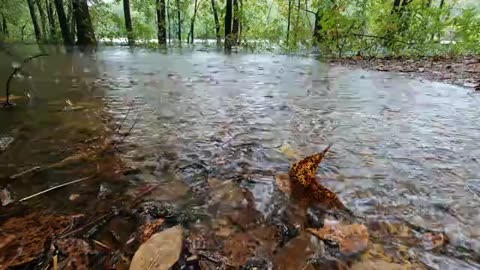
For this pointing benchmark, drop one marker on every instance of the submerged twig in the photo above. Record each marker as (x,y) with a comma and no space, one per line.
(14,72)
(55,187)
(17,175)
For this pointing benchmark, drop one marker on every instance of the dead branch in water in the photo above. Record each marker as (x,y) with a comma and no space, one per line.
(55,187)
(14,72)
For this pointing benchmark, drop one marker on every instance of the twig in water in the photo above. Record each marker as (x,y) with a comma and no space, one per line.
(125,118)
(104,216)
(17,175)
(126,134)
(15,71)
(55,187)
(102,245)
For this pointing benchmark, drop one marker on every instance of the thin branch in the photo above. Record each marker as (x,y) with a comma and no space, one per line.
(309,11)
(14,72)
(55,187)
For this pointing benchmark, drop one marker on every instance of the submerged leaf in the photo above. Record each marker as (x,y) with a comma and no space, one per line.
(305,170)
(5,197)
(351,239)
(160,252)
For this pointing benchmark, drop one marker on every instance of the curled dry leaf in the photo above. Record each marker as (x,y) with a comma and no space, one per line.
(5,197)
(433,240)
(160,252)
(351,239)
(305,170)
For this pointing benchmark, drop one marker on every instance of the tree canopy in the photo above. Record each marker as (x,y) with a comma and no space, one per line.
(339,27)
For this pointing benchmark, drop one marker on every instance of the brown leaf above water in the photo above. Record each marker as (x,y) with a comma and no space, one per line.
(351,239)
(305,188)
(149,229)
(305,170)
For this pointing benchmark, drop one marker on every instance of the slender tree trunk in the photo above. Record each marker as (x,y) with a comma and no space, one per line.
(62,21)
(71,19)
(162,30)
(128,22)
(228,24)
(236,22)
(5,26)
(289,19)
(33,15)
(442,3)
(317,28)
(169,18)
(51,20)
(43,18)
(85,33)
(217,22)
(179,30)
(297,19)
(192,22)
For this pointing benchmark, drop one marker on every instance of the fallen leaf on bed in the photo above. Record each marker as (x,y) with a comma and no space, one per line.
(160,252)
(351,239)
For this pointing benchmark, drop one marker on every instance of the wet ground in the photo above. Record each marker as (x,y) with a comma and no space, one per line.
(214,130)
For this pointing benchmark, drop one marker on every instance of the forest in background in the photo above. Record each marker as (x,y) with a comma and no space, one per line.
(336,27)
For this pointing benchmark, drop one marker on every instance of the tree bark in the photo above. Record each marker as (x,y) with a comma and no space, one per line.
(85,33)
(5,26)
(179,30)
(62,21)
(43,18)
(442,3)
(317,29)
(192,21)
(217,22)
(33,15)
(162,30)
(228,24)
(169,18)
(236,22)
(71,19)
(128,22)
(51,20)
(297,19)
(289,19)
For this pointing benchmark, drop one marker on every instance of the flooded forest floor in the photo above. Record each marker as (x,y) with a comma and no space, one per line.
(463,71)
(137,159)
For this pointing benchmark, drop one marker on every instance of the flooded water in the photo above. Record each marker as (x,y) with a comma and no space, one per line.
(213,130)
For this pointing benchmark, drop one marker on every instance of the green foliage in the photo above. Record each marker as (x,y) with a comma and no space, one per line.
(346,27)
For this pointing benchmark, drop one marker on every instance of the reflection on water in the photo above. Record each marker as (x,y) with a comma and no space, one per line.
(211,123)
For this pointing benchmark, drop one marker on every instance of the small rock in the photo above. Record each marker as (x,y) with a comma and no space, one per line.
(73,197)
(421,69)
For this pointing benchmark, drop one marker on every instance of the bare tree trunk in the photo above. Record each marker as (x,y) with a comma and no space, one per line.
(71,19)
(85,33)
(128,22)
(43,18)
(217,22)
(51,20)
(5,26)
(33,15)
(179,30)
(317,28)
(228,24)
(289,19)
(162,31)
(62,21)
(441,4)
(296,23)
(236,22)
(169,17)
